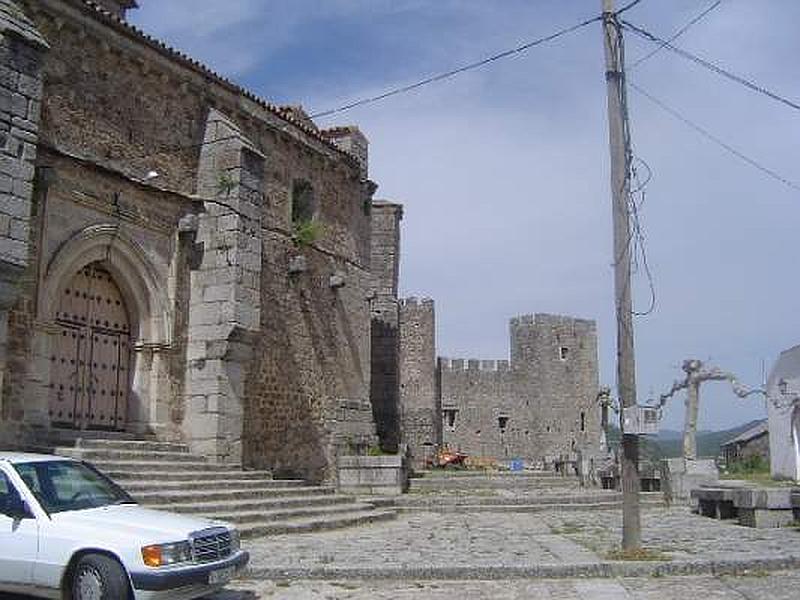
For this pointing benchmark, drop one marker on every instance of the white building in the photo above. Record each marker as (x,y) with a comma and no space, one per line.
(783,389)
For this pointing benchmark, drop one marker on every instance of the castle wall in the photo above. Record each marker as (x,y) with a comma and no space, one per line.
(240,351)
(420,407)
(539,407)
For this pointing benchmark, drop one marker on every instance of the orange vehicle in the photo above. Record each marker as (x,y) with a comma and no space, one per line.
(447,458)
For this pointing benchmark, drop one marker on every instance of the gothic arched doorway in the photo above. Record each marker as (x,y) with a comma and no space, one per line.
(91,357)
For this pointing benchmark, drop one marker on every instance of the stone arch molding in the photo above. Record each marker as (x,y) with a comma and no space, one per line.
(132,271)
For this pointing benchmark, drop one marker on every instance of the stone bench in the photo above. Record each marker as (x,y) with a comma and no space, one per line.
(757,507)
(715,502)
(764,507)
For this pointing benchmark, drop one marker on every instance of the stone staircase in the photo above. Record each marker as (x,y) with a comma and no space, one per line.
(166,476)
(506,491)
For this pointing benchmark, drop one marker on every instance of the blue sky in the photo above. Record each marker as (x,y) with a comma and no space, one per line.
(504,170)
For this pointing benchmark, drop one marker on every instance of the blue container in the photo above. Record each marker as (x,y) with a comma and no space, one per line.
(516,465)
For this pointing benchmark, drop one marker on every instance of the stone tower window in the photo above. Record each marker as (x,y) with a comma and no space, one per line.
(502,423)
(583,421)
(304,204)
(563,352)
(449,415)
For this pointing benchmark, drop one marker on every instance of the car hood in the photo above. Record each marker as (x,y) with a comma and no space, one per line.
(130,521)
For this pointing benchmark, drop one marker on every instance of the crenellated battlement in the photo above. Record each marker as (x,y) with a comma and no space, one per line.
(414,303)
(551,320)
(455,365)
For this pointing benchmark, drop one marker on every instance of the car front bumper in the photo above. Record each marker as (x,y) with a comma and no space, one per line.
(185,576)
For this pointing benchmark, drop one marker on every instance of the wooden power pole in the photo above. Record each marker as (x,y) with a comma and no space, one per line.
(620,188)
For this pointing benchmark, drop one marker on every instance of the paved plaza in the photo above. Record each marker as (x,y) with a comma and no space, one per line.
(485,544)
(775,586)
(502,556)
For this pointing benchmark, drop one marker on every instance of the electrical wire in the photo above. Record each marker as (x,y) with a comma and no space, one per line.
(452,73)
(709,65)
(678,33)
(710,136)
(635,248)
(628,6)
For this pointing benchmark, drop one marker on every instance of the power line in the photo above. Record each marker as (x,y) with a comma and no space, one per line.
(628,6)
(709,65)
(458,71)
(710,136)
(678,33)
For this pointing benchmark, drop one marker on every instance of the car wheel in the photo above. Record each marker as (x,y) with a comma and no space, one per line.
(99,577)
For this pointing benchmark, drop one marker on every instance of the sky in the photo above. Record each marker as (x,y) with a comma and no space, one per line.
(504,170)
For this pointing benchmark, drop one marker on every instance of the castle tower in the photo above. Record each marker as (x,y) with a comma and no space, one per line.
(385,322)
(554,363)
(420,403)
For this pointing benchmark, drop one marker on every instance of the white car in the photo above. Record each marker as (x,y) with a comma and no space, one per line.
(68,532)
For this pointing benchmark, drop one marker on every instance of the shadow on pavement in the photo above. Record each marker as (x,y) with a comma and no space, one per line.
(223,595)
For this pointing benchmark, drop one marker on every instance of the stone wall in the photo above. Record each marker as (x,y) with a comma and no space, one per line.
(22,51)
(420,417)
(385,337)
(539,407)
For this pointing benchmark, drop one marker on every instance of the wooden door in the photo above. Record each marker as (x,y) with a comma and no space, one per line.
(90,375)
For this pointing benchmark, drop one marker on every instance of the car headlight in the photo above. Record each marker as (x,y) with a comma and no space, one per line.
(162,555)
(236,541)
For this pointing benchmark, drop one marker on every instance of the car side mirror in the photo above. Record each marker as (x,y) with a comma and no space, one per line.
(17,508)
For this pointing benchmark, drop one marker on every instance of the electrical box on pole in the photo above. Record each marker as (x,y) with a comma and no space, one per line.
(641,420)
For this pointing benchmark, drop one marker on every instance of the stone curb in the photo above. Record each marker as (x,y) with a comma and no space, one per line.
(535,571)
(519,508)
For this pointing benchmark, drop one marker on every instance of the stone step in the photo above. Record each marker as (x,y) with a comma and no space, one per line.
(315,524)
(494,483)
(255,505)
(526,508)
(451,499)
(467,473)
(65,437)
(124,475)
(167,486)
(131,445)
(229,496)
(270,514)
(145,467)
(108,455)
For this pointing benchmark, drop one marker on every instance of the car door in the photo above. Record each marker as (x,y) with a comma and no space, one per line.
(18,542)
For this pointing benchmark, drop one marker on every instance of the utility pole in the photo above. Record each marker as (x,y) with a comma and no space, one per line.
(626,369)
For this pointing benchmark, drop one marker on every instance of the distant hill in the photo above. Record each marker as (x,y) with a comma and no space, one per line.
(669,443)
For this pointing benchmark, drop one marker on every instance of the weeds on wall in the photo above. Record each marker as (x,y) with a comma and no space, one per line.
(225,183)
(305,233)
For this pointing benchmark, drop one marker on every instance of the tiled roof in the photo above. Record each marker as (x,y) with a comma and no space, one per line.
(196,65)
(749,434)
(13,20)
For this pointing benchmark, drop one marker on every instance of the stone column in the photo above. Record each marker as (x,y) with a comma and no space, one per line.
(22,50)
(225,301)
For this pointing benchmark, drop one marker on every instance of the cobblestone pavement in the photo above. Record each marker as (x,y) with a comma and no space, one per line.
(775,586)
(427,540)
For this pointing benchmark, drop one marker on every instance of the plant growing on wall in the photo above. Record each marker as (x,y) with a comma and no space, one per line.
(305,233)
(225,183)
(305,229)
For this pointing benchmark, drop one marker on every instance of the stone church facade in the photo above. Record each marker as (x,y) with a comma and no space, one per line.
(181,259)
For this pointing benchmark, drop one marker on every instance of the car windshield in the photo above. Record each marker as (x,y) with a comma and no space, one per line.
(62,485)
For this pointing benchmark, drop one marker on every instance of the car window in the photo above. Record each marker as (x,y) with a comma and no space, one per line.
(7,492)
(67,485)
